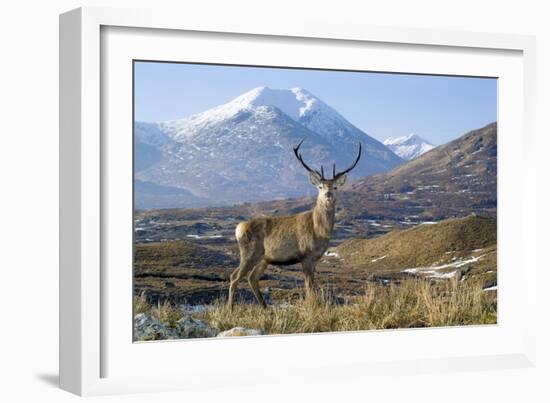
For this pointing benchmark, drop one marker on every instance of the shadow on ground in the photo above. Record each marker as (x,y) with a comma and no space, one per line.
(49,379)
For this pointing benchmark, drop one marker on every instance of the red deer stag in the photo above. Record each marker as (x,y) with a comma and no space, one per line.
(300,238)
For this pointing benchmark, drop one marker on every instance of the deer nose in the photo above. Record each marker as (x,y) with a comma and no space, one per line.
(329,195)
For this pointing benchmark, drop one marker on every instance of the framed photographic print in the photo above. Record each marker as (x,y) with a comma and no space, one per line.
(226,194)
(233,193)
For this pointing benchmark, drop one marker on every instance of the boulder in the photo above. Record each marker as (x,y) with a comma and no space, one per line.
(240,331)
(188,328)
(148,328)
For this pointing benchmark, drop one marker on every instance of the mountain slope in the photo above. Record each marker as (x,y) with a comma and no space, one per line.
(408,147)
(242,158)
(242,151)
(422,245)
(450,165)
(451,180)
(444,250)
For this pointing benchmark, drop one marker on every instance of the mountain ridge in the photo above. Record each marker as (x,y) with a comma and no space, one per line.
(241,151)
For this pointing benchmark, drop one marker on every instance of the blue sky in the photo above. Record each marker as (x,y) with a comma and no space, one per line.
(438,108)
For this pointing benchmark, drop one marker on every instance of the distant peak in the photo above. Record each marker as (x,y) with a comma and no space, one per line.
(407,139)
(409,146)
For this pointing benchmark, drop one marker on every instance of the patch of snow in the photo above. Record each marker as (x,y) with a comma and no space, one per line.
(447,275)
(331,254)
(432,269)
(194,236)
(378,258)
(493,288)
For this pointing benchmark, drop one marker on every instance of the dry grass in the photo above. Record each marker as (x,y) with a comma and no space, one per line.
(166,312)
(414,303)
(141,305)
(421,245)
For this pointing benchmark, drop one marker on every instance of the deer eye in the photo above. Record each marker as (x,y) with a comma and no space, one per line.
(335,187)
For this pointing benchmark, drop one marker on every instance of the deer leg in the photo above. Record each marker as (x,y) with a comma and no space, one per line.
(254,277)
(309,277)
(247,263)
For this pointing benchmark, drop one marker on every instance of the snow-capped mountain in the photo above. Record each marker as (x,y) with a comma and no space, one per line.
(242,150)
(408,147)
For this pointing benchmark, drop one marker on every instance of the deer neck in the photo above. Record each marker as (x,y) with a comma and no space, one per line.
(323,219)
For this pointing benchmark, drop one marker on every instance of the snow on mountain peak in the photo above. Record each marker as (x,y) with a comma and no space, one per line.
(409,138)
(305,108)
(408,147)
(297,103)
(294,102)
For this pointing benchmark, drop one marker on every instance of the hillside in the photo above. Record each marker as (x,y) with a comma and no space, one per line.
(453,247)
(421,245)
(452,180)
(465,165)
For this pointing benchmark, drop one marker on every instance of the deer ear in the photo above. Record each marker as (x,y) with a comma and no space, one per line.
(314,179)
(340,181)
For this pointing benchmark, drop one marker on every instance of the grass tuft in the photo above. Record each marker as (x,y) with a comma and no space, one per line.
(141,305)
(167,313)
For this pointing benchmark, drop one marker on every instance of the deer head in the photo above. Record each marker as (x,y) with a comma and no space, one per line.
(326,187)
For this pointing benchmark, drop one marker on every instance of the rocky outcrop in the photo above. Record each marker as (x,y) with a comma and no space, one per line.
(149,328)
(189,328)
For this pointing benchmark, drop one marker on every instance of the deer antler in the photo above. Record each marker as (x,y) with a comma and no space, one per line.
(299,156)
(337,175)
(321,174)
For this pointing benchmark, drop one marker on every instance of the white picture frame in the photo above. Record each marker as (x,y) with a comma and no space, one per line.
(86,184)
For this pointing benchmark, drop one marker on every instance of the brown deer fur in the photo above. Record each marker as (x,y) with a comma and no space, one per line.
(300,238)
